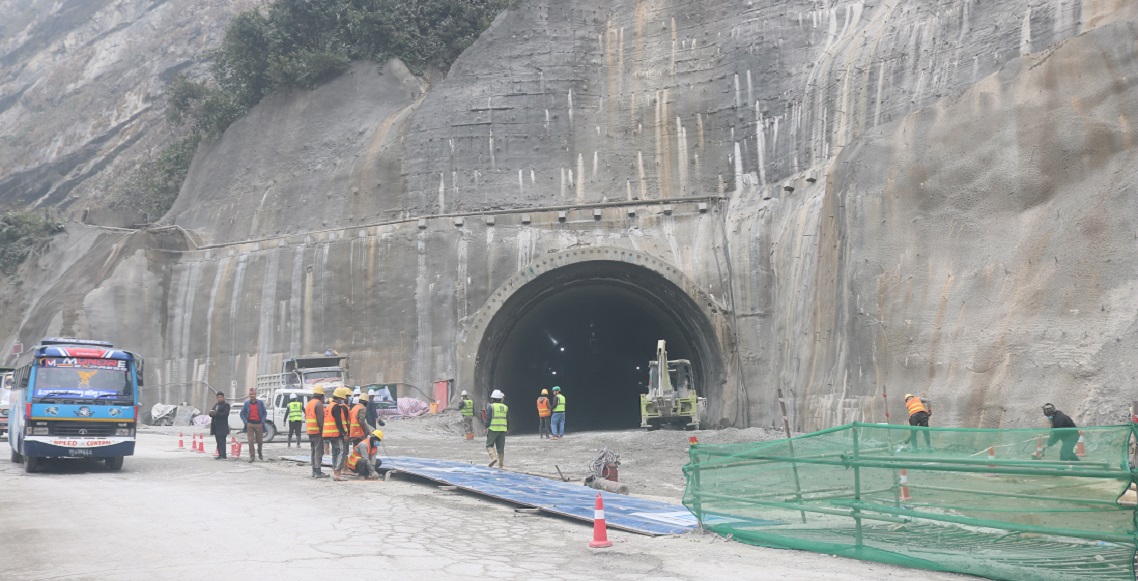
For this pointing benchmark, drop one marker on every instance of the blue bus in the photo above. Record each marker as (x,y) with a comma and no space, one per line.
(74,398)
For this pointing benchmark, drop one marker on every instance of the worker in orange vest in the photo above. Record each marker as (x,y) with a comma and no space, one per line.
(362,460)
(918,416)
(543,413)
(314,425)
(358,426)
(337,423)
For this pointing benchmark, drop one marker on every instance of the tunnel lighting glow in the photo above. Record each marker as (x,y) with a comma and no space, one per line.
(562,348)
(555,373)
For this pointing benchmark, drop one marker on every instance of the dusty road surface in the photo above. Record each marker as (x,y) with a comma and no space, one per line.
(174,514)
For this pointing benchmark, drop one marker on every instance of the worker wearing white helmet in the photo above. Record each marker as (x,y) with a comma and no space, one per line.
(496,427)
(466,406)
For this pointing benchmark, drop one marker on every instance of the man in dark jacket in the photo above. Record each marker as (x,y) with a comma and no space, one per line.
(254,414)
(1068,437)
(219,425)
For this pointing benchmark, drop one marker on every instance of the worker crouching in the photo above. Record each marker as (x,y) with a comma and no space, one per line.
(363,461)
(496,427)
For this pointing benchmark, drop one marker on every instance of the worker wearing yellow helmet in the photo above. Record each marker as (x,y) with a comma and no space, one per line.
(336,427)
(314,425)
(362,461)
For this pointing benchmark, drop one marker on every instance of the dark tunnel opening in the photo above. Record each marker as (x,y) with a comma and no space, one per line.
(592,328)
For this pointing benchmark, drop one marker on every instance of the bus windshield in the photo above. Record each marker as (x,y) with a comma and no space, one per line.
(72,378)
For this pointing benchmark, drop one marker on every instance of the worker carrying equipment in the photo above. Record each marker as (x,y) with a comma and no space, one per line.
(1069,436)
(918,416)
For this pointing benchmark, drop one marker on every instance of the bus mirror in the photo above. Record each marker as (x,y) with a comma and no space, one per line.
(140,370)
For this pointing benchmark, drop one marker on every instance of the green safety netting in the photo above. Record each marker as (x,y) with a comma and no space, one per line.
(976,501)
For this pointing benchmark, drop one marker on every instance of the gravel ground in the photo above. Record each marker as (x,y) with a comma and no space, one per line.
(173,514)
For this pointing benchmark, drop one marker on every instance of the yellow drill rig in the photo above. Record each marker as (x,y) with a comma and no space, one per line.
(671,400)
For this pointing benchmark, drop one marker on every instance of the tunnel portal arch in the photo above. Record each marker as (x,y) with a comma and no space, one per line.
(588,320)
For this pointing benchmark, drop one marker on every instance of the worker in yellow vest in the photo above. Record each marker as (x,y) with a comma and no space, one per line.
(918,416)
(295,419)
(466,406)
(543,412)
(557,425)
(496,426)
(362,460)
(314,425)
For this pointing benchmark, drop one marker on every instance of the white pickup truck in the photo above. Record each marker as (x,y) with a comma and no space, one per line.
(299,375)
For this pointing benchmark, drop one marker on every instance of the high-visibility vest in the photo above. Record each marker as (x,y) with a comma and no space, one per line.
(498,422)
(560,404)
(543,407)
(295,411)
(311,425)
(915,405)
(354,458)
(467,408)
(330,429)
(355,430)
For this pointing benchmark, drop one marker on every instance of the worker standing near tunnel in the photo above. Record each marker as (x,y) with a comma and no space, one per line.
(558,418)
(543,413)
(466,406)
(496,426)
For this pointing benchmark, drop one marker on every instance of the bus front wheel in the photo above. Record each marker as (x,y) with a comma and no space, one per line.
(31,464)
(114,463)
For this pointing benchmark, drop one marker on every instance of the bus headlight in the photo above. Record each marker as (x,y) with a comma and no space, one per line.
(122,431)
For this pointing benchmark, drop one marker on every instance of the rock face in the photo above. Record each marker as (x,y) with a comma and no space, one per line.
(80,94)
(835,199)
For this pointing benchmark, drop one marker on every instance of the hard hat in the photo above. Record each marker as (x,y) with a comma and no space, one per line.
(908,395)
(318,389)
(292,396)
(464,392)
(545,392)
(557,388)
(378,434)
(342,392)
(365,396)
(497,394)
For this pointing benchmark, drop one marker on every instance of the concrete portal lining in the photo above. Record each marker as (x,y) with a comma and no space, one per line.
(667,293)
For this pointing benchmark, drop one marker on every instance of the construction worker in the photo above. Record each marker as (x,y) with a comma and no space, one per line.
(1069,437)
(336,427)
(918,416)
(557,423)
(543,412)
(358,426)
(295,419)
(496,427)
(466,406)
(362,460)
(314,425)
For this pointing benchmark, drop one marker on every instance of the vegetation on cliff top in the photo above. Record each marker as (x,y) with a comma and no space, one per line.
(23,234)
(299,43)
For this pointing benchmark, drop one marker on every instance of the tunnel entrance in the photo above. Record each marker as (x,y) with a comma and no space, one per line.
(591,327)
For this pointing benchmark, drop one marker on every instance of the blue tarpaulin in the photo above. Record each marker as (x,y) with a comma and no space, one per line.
(627,513)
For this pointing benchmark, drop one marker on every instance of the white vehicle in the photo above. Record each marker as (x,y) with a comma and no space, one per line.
(5,398)
(299,375)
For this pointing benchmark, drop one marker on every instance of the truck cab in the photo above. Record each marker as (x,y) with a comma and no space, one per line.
(297,377)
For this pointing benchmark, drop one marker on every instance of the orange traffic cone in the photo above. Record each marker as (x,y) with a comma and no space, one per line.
(991,457)
(233,446)
(692,440)
(181,446)
(1038,448)
(600,530)
(1080,450)
(237,456)
(201,444)
(904,495)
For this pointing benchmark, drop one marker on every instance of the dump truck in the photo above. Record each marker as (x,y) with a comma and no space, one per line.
(672,400)
(297,377)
